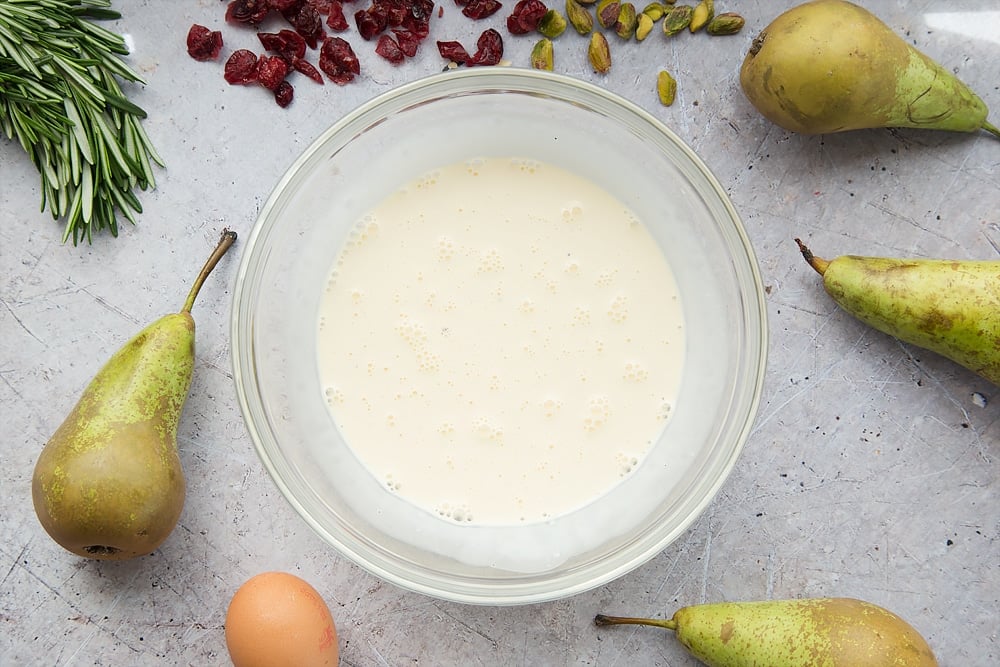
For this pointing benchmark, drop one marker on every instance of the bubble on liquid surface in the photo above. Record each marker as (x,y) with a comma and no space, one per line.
(626,463)
(392,484)
(490,261)
(635,372)
(485,429)
(597,414)
(618,309)
(474,166)
(526,166)
(551,406)
(446,249)
(581,317)
(665,410)
(334,395)
(457,513)
(571,211)
(428,180)
(605,278)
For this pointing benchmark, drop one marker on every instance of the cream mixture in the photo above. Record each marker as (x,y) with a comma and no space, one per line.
(500,341)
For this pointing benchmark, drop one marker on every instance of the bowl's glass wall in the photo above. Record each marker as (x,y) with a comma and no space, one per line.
(448,118)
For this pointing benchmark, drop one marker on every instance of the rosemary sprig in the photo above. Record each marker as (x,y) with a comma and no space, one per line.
(60,98)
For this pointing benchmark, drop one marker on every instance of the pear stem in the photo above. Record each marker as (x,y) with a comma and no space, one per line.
(228,239)
(992,129)
(818,263)
(668,623)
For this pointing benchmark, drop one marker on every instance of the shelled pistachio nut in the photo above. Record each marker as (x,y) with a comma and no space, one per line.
(666,88)
(579,17)
(677,19)
(728,23)
(598,53)
(607,13)
(644,25)
(553,24)
(655,10)
(627,21)
(702,14)
(542,54)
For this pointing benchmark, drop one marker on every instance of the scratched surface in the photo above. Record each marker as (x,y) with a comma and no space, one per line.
(872,470)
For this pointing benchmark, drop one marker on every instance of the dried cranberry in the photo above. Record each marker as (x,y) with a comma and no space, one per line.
(395,11)
(335,18)
(271,71)
(306,67)
(307,22)
(370,22)
(388,48)
(287,43)
(453,51)
(322,6)
(203,44)
(418,18)
(338,60)
(241,67)
(489,49)
(285,5)
(526,16)
(296,43)
(480,9)
(408,42)
(283,94)
(247,11)
(461,3)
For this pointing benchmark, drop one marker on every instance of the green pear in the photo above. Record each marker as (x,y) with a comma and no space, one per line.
(809,632)
(108,484)
(949,307)
(830,66)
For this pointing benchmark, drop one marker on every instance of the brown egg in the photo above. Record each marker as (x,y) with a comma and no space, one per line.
(275,619)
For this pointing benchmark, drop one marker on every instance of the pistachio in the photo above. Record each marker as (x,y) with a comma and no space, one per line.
(655,10)
(627,21)
(599,53)
(729,23)
(644,25)
(542,54)
(553,24)
(579,17)
(703,13)
(677,19)
(666,88)
(607,13)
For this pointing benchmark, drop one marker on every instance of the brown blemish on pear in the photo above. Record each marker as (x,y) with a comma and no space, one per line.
(108,484)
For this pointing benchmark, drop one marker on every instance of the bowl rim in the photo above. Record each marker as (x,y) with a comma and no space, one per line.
(496,80)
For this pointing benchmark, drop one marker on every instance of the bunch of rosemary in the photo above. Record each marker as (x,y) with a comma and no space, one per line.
(60,98)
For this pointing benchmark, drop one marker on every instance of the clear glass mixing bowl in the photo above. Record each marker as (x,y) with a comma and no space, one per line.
(443,119)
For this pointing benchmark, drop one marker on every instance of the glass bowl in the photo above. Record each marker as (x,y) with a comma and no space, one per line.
(443,119)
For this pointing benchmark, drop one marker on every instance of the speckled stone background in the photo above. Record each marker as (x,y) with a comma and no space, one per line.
(872,470)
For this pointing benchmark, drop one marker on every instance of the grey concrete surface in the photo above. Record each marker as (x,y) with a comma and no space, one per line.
(872,470)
